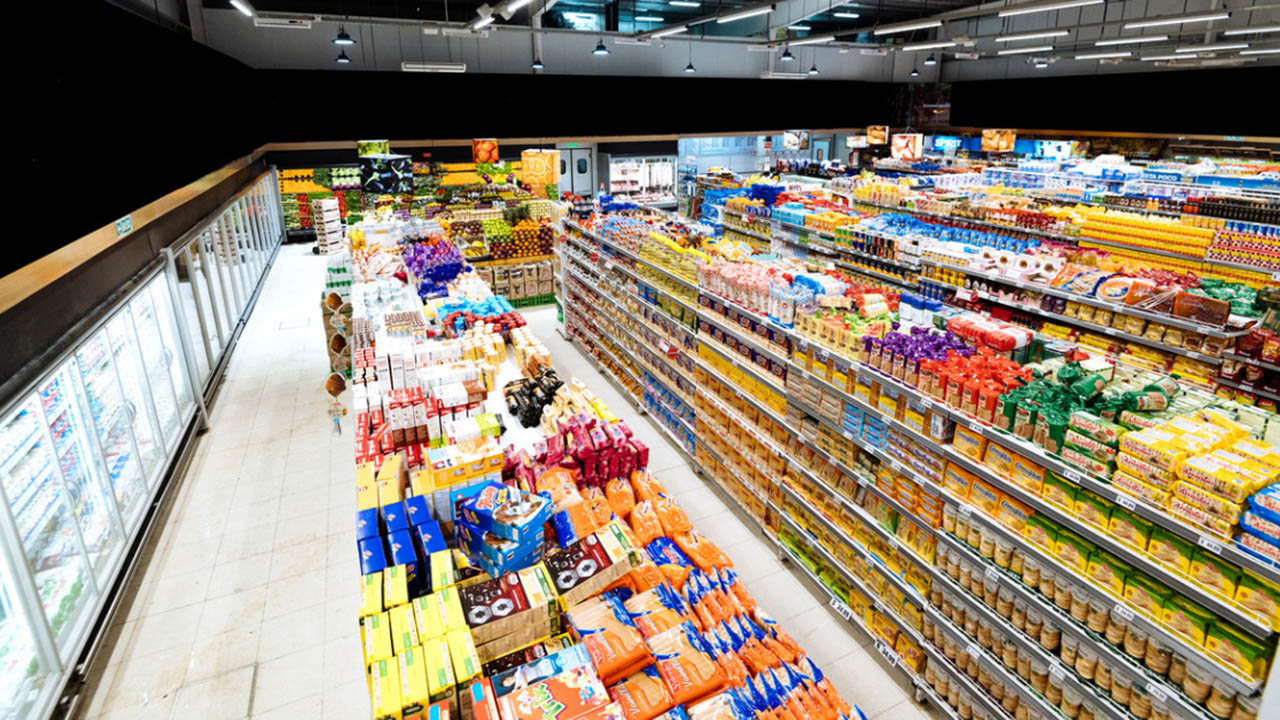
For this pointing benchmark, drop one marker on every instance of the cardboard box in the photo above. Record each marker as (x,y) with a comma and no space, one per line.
(525,635)
(495,555)
(501,606)
(506,512)
(404,630)
(415,692)
(573,694)
(395,586)
(384,690)
(440,681)
(428,614)
(375,635)
(371,595)
(591,564)
(462,651)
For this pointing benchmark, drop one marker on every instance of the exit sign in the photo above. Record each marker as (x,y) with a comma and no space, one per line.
(124,226)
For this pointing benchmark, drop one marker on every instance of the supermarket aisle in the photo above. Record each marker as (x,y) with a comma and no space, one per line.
(246,605)
(857,670)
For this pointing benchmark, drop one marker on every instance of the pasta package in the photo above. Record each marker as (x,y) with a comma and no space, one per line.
(685,664)
(671,515)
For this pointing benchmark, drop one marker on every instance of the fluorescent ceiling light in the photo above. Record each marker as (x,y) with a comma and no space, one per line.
(906,26)
(670,31)
(243,7)
(1211,48)
(1164,57)
(440,67)
(744,14)
(515,5)
(1017,51)
(1032,35)
(1177,20)
(1252,30)
(482,22)
(799,27)
(812,40)
(776,75)
(685,3)
(927,45)
(648,18)
(1045,7)
(1103,55)
(847,15)
(1263,51)
(1126,41)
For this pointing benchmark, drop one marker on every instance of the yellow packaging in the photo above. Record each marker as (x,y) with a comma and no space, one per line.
(1214,574)
(1014,514)
(1145,594)
(404,630)
(393,473)
(422,482)
(1186,618)
(1260,596)
(1217,473)
(1093,509)
(985,497)
(395,586)
(389,492)
(415,692)
(462,652)
(366,487)
(371,595)
(1108,571)
(1206,500)
(974,445)
(1234,429)
(428,616)
(1028,474)
(375,634)
(1129,528)
(441,562)
(440,682)
(384,690)
(958,480)
(1135,487)
(1156,446)
(452,614)
(1260,451)
(1147,472)
(1236,650)
(1073,550)
(1170,550)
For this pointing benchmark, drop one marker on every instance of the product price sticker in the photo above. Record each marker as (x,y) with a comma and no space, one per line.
(1124,501)
(1157,692)
(992,574)
(974,650)
(841,609)
(1124,611)
(1209,544)
(1057,671)
(1074,476)
(887,653)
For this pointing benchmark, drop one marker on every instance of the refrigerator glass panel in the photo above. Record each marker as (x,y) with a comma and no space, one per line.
(209,266)
(168,325)
(113,406)
(81,466)
(200,325)
(43,521)
(22,676)
(156,358)
(133,384)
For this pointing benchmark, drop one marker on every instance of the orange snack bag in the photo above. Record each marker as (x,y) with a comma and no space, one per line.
(647,575)
(601,512)
(671,515)
(676,574)
(685,665)
(642,695)
(735,671)
(646,486)
(701,551)
(656,611)
(644,523)
(743,599)
(611,639)
(621,497)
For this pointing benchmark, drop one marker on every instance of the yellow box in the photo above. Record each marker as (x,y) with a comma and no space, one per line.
(395,586)
(441,563)
(452,607)
(440,681)
(366,487)
(404,631)
(415,692)
(375,633)
(389,491)
(384,690)
(429,616)
(393,471)
(371,595)
(462,651)
(422,482)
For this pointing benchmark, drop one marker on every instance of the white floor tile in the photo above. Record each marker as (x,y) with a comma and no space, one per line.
(221,697)
(288,679)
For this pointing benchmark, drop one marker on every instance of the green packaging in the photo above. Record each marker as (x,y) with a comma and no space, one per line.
(1093,509)
(1059,491)
(1130,529)
(1144,593)
(1041,531)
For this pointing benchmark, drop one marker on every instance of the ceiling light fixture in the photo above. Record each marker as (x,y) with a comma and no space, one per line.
(906,26)
(744,14)
(342,38)
(600,48)
(813,39)
(915,72)
(1032,35)
(537,64)
(799,28)
(342,58)
(1252,30)
(1040,64)
(931,60)
(1127,41)
(648,18)
(433,67)
(669,31)
(1103,55)
(514,5)
(1045,7)
(482,22)
(1177,20)
(787,56)
(1021,51)
(846,15)
(244,7)
(690,68)
(685,3)
(1165,57)
(1261,51)
(927,45)
(1211,48)
(813,69)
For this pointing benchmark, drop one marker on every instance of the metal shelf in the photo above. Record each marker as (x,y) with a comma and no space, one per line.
(1233,355)
(1247,388)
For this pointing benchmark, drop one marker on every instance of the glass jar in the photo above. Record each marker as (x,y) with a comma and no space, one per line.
(1004,553)
(1004,602)
(987,544)
(1062,593)
(1070,647)
(1046,582)
(940,556)
(1053,691)
(990,591)
(1116,627)
(928,629)
(1159,656)
(1017,562)
(949,518)
(1102,675)
(1087,662)
(1079,604)
(1087,712)
(1098,612)
(1178,668)
(949,649)
(1121,688)
(1070,704)
(953,695)
(947,606)
(972,668)
(1135,642)
(942,684)
(1050,636)
(1222,700)
(1039,676)
(1019,616)
(996,691)
(1247,708)
(1021,712)
(1031,572)
(931,676)
(975,582)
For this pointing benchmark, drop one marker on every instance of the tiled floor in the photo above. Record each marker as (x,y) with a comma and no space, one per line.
(244,603)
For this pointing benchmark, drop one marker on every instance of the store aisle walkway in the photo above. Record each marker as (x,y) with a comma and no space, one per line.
(244,604)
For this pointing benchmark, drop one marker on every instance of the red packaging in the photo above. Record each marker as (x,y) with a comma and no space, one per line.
(642,453)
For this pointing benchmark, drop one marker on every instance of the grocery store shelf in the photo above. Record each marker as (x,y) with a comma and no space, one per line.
(750,368)
(1233,355)
(751,340)
(1247,387)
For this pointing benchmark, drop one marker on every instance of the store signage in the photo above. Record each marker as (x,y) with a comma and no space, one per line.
(124,226)
(998,140)
(946,143)
(907,146)
(877,134)
(1233,138)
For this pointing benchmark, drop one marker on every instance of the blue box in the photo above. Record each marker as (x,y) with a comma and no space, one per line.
(405,552)
(497,556)
(368,524)
(430,538)
(418,508)
(373,558)
(507,512)
(458,495)
(395,517)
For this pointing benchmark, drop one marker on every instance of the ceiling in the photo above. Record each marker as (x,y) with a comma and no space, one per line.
(968,41)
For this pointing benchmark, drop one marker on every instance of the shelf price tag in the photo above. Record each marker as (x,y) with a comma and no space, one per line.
(1074,476)
(1057,671)
(1124,501)
(841,609)
(1157,692)
(965,510)
(1209,544)
(1124,611)
(992,574)
(887,653)
(974,651)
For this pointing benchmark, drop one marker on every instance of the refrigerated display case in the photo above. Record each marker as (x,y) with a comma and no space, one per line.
(85,446)
(647,180)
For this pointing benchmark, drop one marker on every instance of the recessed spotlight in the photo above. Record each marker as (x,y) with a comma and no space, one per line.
(342,38)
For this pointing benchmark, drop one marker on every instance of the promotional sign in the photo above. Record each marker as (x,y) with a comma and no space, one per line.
(907,146)
(998,140)
(857,141)
(795,140)
(484,150)
(386,174)
(877,134)
(946,143)
(540,168)
(373,147)
(1055,149)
